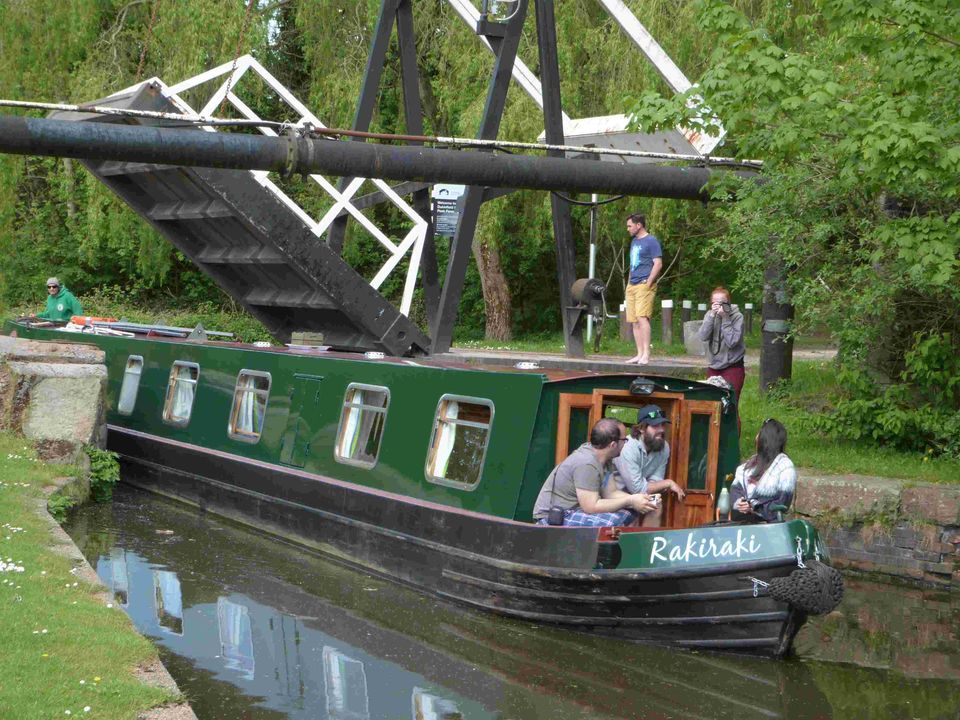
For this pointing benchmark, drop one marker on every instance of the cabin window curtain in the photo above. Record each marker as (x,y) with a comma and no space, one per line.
(447,438)
(181,393)
(461,433)
(361,424)
(351,425)
(249,405)
(131,384)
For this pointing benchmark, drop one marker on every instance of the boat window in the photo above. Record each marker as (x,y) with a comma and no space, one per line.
(461,431)
(181,391)
(361,424)
(699,444)
(131,385)
(250,398)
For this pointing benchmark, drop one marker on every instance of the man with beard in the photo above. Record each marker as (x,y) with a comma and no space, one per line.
(574,494)
(643,461)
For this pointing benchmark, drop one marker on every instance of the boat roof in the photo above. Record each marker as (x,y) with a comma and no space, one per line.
(523,367)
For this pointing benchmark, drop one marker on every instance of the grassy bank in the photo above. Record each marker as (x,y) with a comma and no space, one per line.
(65,653)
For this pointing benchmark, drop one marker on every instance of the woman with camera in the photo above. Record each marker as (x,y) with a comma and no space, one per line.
(722,332)
(766,480)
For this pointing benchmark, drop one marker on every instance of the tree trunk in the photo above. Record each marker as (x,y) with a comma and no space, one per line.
(496,293)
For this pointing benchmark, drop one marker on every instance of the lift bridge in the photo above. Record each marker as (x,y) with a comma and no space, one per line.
(285,266)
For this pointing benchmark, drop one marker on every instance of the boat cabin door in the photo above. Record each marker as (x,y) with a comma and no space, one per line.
(694,438)
(301,422)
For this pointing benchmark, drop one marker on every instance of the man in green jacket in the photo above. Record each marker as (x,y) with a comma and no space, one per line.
(61,304)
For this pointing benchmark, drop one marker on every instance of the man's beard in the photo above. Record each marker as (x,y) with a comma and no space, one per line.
(654,443)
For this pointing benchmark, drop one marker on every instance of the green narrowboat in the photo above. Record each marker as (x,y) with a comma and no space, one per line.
(426,471)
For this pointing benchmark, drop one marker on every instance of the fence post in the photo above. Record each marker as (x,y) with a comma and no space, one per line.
(702,309)
(686,310)
(748,318)
(666,321)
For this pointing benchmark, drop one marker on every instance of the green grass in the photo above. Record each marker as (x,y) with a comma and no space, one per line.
(808,394)
(63,649)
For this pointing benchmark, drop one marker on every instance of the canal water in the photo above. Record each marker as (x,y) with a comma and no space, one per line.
(251,627)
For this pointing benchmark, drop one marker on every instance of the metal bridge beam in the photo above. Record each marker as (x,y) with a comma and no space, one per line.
(461,247)
(553,126)
(191,148)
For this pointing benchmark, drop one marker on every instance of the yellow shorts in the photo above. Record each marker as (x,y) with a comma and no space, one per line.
(640,301)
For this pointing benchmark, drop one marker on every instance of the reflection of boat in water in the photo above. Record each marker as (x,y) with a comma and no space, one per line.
(323,638)
(427,471)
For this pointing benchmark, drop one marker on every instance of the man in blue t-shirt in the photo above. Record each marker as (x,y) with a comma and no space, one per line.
(646,261)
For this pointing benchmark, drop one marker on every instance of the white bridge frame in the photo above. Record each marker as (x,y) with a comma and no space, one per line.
(232,73)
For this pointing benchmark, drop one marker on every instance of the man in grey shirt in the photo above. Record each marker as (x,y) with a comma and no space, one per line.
(575,489)
(642,464)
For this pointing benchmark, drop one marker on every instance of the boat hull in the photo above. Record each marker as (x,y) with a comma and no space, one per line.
(545,575)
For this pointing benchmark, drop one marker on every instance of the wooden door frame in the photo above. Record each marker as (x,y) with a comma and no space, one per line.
(568,401)
(690,408)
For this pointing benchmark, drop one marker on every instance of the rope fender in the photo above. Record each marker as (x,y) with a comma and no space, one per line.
(814,588)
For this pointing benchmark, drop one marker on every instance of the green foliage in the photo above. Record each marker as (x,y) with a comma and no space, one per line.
(919,413)
(104,473)
(852,107)
(59,505)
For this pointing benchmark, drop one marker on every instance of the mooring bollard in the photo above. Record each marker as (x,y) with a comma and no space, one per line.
(686,310)
(666,321)
(702,309)
(748,318)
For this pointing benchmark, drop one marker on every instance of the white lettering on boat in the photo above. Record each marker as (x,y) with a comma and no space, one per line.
(702,548)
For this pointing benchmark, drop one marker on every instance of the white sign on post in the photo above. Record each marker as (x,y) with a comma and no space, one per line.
(447,203)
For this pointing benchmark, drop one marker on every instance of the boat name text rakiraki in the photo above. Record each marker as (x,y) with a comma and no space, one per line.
(702,548)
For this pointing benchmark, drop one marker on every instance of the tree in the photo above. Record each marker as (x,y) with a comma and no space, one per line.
(852,107)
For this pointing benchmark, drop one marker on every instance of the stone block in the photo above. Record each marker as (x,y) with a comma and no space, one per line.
(58,405)
(852,496)
(14,349)
(938,568)
(691,338)
(934,503)
(904,537)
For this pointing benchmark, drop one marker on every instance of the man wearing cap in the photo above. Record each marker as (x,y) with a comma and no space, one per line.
(61,304)
(574,494)
(642,463)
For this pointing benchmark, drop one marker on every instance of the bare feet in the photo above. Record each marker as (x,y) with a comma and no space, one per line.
(633,361)
(643,361)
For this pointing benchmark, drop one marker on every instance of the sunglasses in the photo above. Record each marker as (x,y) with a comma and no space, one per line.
(52,287)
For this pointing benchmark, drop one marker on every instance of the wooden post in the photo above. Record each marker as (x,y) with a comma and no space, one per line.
(626,329)
(666,321)
(702,309)
(748,318)
(686,310)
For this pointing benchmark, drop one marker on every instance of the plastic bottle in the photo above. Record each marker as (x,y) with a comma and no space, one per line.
(723,504)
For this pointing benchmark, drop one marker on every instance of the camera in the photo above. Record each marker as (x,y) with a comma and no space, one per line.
(555,516)
(725,306)
(655,498)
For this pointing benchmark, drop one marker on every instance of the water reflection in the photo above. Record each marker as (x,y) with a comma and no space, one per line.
(253,628)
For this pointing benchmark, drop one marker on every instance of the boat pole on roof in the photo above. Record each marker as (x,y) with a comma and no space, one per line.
(298,155)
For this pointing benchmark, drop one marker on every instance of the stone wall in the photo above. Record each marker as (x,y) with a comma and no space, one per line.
(892,527)
(53,394)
